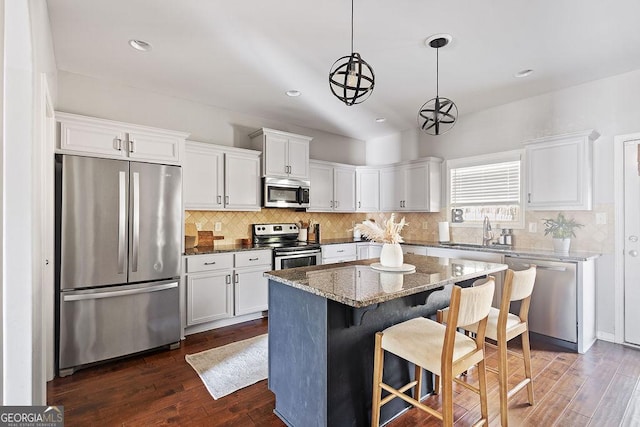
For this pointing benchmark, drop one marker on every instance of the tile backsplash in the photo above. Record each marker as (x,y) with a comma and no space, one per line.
(421,226)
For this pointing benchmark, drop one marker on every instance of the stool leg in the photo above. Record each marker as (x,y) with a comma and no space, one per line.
(447,399)
(418,389)
(378,359)
(436,384)
(482,378)
(502,379)
(526,351)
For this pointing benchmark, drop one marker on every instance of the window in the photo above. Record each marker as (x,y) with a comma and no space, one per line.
(488,186)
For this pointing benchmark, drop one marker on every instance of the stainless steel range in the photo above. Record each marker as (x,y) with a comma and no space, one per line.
(288,252)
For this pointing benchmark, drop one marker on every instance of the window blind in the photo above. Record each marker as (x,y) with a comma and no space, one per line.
(491,184)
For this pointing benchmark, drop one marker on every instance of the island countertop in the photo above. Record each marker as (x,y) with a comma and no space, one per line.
(356,284)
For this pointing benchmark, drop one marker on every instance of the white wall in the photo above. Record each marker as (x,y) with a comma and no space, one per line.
(105,99)
(611,106)
(393,148)
(28,53)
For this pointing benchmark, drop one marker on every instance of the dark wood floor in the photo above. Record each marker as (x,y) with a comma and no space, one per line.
(600,388)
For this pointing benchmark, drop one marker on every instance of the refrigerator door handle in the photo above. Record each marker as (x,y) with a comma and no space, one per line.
(136,222)
(122,220)
(111,294)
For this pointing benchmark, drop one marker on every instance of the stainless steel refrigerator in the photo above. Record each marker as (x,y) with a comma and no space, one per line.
(118,229)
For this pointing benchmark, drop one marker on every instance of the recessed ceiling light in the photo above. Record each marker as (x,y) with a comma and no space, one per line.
(140,45)
(293,93)
(523,73)
(381,120)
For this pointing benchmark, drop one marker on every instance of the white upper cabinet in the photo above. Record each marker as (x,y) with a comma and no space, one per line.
(90,136)
(411,187)
(333,187)
(284,154)
(221,178)
(367,190)
(560,172)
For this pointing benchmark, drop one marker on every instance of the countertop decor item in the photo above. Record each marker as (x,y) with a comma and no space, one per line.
(351,79)
(561,229)
(391,254)
(438,115)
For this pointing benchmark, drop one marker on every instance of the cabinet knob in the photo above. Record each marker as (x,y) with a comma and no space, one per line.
(633,253)
(633,238)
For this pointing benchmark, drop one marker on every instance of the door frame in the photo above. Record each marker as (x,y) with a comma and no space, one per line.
(618,185)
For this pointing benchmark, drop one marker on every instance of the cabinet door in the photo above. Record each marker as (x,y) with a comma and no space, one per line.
(344,189)
(558,175)
(89,138)
(203,178)
(321,193)
(251,291)
(242,182)
(275,156)
(416,187)
(298,160)
(391,189)
(153,146)
(368,190)
(363,251)
(209,297)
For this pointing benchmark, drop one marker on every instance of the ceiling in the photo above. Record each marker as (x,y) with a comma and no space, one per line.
(244,55)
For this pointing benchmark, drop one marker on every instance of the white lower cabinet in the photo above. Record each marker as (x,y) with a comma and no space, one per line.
(369,250)
(342,252)
(414,250)
(223,286)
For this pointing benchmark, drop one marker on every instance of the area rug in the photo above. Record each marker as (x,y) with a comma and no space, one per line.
(226,369)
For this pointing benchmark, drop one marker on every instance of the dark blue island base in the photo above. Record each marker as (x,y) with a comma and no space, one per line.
(321,355)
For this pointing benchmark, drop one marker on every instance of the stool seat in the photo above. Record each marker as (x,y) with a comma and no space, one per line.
(421,341)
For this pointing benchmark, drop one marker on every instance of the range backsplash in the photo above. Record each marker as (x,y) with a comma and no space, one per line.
(422,226)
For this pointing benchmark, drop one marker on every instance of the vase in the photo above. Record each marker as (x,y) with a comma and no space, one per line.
(391,255)
(561,246)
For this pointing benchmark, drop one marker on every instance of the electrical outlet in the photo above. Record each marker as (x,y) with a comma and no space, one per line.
(425,225)
(533,227)
(217,226)
(601,218)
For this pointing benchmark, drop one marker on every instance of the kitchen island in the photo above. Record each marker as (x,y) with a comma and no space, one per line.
(322,322)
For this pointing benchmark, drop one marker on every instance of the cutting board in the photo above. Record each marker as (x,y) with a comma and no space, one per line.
(205,238)
(191,230)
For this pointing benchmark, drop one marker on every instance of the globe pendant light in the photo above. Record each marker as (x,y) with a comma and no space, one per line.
(438,115)
(351,79)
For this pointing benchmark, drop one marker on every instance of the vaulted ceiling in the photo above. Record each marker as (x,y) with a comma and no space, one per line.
(244,55)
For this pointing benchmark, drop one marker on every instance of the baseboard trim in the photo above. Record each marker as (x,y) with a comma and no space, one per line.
(606,336)
(189,330)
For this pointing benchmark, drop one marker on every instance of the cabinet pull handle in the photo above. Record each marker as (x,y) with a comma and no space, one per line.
(359,204)
(219,200)
(337,204)
(529,198)
(228,279)
(118,144)
(132,147)
(209,263)
(226,200)
(341,250)
(253,259)
(331,203)
(236,278)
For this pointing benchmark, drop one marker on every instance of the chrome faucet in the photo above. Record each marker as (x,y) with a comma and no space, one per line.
(487,234)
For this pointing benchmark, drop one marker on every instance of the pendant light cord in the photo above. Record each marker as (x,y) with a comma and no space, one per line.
(351,26)
(437,71)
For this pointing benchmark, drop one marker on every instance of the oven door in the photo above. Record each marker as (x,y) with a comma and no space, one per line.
(297,259)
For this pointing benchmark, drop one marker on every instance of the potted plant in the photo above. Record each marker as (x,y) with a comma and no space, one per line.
(561,229)
(391,255)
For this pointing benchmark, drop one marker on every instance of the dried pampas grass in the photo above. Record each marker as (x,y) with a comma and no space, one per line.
(389,234)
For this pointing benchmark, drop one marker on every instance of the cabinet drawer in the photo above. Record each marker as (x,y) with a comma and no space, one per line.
(339,251)
(209,262)
(253,258)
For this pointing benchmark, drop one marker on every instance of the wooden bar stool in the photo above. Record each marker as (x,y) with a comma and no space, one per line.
(502,327)
(439,349)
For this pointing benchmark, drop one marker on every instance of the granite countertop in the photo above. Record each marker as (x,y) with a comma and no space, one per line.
(516,252)
(358,285)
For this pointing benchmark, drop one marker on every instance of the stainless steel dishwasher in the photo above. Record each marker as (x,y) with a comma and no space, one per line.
(554,310)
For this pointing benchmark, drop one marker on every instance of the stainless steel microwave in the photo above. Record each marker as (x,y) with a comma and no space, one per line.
(285,193)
